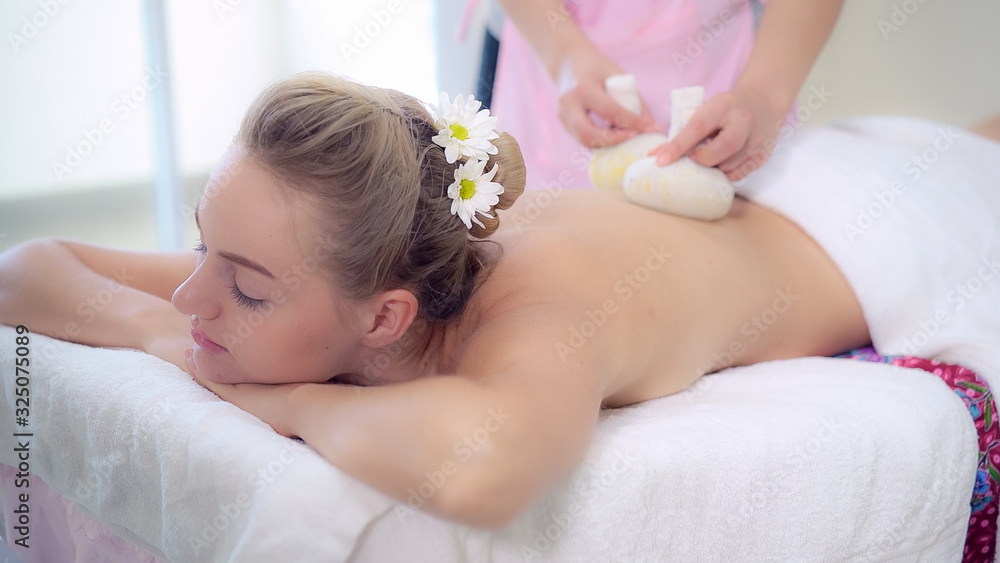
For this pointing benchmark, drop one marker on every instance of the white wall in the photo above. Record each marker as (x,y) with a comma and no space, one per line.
(942,61)
(67,77)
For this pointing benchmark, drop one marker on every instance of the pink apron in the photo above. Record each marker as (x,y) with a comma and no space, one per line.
(666,44)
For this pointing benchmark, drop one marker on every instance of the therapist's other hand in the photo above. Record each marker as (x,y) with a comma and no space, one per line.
(737,127)
(582,93)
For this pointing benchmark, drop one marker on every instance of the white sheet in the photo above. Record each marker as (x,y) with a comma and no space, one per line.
(781,461)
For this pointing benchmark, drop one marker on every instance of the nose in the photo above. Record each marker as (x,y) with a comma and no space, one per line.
(195,295)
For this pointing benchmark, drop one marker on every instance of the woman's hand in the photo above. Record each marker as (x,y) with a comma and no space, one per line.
(269,403)
(166,334)
(739,127)
(581,85)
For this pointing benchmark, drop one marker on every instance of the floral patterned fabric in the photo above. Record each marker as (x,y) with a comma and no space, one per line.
(980,540)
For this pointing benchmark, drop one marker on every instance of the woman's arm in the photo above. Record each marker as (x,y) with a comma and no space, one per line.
(790,37)
(475,450)
(95,295)
(579,70)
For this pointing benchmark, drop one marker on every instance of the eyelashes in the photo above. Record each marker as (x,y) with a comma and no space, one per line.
(241,298)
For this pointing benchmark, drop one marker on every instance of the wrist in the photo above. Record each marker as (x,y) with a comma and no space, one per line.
(151,323)
(775,101)
(569,54)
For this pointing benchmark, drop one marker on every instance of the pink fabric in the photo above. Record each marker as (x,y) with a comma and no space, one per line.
(59,531)
(666,44)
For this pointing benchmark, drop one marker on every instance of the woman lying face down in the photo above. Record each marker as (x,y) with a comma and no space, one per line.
(319,250)
(332,250)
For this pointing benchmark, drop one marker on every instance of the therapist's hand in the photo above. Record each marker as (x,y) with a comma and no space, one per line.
(582,93)
(735,125)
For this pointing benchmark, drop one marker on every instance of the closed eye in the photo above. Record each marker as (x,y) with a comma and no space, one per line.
(242,300)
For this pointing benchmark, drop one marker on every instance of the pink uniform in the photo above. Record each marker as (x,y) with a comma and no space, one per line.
(666,44)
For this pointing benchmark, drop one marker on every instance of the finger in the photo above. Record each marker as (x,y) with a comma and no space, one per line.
(741,169)
(598,137)
(598,101)
(727,144)
(706,121)
(650,124)
(574,116)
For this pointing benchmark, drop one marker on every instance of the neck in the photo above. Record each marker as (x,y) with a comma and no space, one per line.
(425,349)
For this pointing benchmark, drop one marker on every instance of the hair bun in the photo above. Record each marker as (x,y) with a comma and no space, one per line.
(511,174)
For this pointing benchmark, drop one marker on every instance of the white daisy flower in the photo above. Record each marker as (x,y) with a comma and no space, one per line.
(473,192)
(464,129)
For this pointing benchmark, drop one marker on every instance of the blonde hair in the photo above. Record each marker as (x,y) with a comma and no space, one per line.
(364,158)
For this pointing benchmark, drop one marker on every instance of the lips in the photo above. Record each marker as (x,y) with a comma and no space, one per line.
(205,343)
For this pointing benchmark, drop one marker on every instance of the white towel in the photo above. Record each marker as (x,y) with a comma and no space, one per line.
(909,210)
(802,460)
(166,464)
(799,460)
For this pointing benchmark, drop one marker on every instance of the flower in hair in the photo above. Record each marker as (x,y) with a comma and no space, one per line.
(464,129)
(474,192)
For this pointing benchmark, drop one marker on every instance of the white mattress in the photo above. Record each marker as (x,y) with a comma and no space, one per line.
(801,460)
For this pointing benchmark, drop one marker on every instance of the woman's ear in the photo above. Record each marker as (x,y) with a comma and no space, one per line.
(394,313)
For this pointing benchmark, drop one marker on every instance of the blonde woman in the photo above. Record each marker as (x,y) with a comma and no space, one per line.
(359,284)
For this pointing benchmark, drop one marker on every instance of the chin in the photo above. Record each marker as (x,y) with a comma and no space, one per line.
(210,368)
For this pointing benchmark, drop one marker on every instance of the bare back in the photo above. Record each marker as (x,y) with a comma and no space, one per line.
(659,300)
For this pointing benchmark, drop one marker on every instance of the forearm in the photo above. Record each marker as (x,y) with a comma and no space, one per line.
(44,286)
(790,37)
(442,444)
(550,30)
